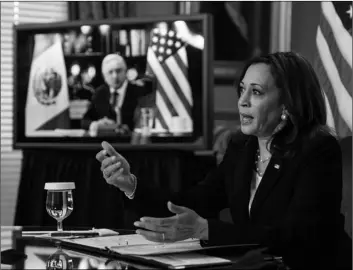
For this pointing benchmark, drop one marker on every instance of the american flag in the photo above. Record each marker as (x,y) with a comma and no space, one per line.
(167,61)
(333,64)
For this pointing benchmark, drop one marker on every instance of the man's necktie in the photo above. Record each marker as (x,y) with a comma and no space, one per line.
(115,106)
(115,99)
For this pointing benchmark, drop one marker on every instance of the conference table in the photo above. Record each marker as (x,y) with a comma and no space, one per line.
(20,250)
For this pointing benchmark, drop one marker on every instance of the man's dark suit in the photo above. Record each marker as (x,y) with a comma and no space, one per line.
(100,106)
(295,211)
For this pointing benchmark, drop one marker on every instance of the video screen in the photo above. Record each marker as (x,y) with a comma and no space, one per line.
(114,81)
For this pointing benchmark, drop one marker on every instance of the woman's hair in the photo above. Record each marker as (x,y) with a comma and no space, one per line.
(302,97)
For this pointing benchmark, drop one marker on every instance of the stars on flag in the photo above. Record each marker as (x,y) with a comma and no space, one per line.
(165,43)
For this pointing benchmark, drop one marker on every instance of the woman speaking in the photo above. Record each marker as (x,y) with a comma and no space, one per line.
(281,176)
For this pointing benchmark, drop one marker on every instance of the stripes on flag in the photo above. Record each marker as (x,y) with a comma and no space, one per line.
(343,38)
(166,85)
(337,122)
(167,61)
(183,56)
(172,71)
(330,121)
(336,49)
(333,65)
(340,92)
(162,119)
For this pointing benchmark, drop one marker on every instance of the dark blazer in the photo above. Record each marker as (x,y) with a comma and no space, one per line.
(296,209)
(100,106)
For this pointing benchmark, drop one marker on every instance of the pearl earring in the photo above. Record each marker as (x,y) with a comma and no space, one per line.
(284,117)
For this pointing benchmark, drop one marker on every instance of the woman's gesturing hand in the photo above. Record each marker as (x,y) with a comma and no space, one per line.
(115,168)
(185,224)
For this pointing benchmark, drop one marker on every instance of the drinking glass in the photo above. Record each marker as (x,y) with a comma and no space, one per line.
(147,118)
(59,203)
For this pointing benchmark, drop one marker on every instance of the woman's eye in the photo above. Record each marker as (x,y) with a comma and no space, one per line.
(241,90)
(256,92)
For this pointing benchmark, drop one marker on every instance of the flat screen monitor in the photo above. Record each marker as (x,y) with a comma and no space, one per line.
(134,82)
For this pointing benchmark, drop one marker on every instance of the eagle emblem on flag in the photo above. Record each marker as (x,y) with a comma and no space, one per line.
(47,85)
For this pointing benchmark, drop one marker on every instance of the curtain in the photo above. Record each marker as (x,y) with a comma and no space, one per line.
(14,12)
(97,204)
(96,10)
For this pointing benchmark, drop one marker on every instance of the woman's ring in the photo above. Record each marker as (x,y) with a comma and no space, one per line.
(163,237)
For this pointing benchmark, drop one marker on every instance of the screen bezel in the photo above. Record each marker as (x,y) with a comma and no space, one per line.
(204,142)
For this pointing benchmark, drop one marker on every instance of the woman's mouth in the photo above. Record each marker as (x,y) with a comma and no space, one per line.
(246,119)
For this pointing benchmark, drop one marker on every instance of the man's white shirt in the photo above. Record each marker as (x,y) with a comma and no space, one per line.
(121,91)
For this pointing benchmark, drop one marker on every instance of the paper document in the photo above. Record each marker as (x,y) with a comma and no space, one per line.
(150,248)
(135,244)
(96,242)
(177,255)
(182,260)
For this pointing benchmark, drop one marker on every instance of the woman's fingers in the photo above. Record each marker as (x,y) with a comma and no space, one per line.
(108,161)
(101,155)
(173,232)
(111,169)
(110,149)
(160,221)
(114,178)
(170,234)
(172,228)
(153,236)
(151,227)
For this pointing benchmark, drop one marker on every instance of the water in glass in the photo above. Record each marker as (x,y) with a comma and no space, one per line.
(59,202)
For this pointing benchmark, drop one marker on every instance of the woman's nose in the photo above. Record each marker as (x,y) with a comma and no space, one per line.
(244,100)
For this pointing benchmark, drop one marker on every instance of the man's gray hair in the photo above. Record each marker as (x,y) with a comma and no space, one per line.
(115,57)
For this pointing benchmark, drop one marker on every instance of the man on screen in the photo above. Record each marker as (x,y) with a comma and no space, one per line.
(116,100)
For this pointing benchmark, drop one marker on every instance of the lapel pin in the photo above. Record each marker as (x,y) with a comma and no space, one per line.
(276,166)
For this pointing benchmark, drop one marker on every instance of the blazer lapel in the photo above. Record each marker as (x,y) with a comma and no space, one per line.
(129,100)
(243,174)
(270,178)
(102,103)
